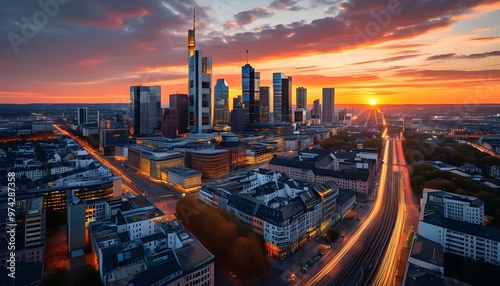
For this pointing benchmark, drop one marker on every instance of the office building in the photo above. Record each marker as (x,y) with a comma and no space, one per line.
(277,96)
(264,103)
(149,161)
(214,163)
(199,87)
(250,84)
(145,109)
(300,116)
(316,110)
(175,118)
(328,105)
(301,94)
(83,115)
(183,179)
(221,102)
(238,115)
(109,138)
(287,213)
(237,102)
(286,99)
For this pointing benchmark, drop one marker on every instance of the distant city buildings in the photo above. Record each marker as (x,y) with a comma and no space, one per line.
(328,103)
(145,109)
(221,102)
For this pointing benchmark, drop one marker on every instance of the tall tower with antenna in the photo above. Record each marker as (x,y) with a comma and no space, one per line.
(199,87)
(191,36)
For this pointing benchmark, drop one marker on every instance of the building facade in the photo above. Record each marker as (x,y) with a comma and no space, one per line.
(82,115)
(250,85)
(285,212)
(264,103)
(328,105)
(278,96)
(221,102)
(199,87)
(145,109)
(301,94)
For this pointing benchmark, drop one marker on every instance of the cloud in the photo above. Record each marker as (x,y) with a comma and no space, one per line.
(387,60)
(289,5)
(249,16)
(442,57)
(485,39)
(471,56)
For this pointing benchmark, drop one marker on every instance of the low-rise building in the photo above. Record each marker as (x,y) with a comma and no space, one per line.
(213,163)
(168,256)
(183,179)
(149,161)
(287,213)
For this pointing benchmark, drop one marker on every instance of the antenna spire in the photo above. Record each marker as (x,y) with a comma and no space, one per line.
(194,23)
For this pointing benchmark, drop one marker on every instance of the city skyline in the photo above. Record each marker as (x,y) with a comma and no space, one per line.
(394,52)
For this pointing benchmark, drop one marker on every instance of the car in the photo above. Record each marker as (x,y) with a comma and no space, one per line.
(304,269)
(233,274)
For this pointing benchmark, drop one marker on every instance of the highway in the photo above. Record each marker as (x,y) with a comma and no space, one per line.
(369,256)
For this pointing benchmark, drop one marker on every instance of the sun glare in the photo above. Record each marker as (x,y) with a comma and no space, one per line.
(373,102)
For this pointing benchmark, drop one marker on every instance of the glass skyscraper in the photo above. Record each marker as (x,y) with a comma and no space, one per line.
(277,98)
(145,109)
(327,114)
(250,84)
(221,102)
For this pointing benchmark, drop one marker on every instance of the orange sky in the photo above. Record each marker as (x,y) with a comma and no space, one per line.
(395,52)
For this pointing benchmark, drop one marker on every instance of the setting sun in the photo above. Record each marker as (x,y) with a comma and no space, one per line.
(373,102)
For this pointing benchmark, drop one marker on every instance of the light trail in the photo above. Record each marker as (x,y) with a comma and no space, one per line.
(367,222)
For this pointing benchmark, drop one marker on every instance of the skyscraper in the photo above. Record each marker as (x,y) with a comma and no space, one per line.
(145,109)
(221,102)
(264,104)
(250,85)
(286,99)
(328,104)
(175,118)
(199,86)
(277,98)
(301,94)
(237,102)
(83,115)
(316,110)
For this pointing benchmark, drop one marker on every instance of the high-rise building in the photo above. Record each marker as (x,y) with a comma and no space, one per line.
(264,103)
(237,102)
(221,102)
(328,104)
(145,109)
(316,110)
(83,115)
(301,94)
(200,87)
(175,118)
(250,84)
(277,97)
(286,99)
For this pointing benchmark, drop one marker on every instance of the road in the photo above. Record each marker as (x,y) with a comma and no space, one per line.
(163,197)
(369,256)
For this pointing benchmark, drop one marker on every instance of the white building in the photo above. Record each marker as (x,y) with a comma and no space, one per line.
(455,222)
(285,212)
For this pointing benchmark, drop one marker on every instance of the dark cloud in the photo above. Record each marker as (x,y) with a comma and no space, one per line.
(248,16)
(289,5)
(442,57)
(471,56)
(480,76)
(387,60)
(485,39)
